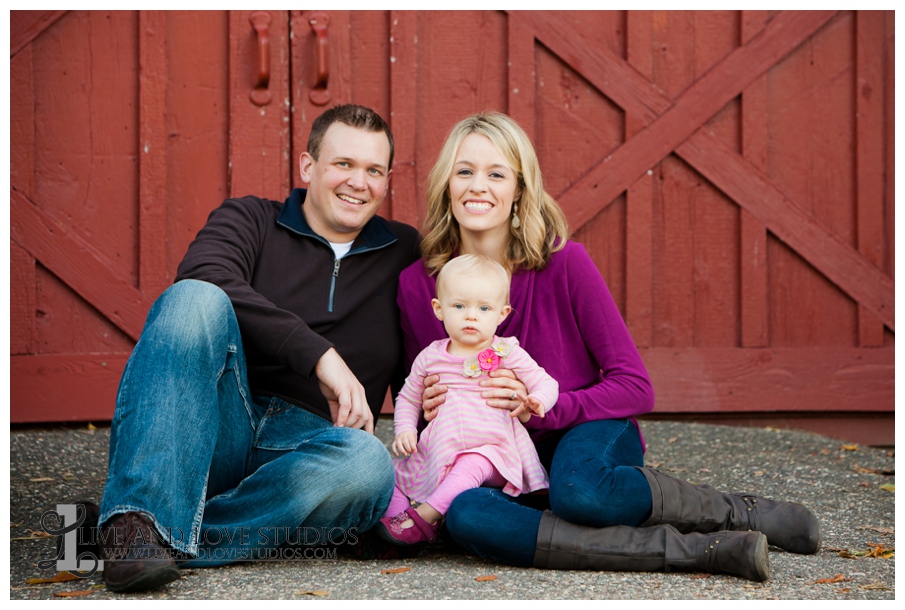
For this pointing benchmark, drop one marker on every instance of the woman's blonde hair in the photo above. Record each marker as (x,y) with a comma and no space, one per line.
(542,227)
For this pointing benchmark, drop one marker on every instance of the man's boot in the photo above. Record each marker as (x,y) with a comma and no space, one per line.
(701,508)
(662,548)
(135,557)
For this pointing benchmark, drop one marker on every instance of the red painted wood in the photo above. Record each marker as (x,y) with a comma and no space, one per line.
(403,115)
(889,63)
(753,233)
(729,380)
(259,135)
(21,130)
(22,308)
(78,264)
(152,154)
(696,105)
(845,267)
(25,26)
(522,74)
(64,387)
(869,157)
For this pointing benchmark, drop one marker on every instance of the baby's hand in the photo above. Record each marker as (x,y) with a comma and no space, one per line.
(405,443)
(529,405)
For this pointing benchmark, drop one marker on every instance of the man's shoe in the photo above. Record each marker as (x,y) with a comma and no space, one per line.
(135,557)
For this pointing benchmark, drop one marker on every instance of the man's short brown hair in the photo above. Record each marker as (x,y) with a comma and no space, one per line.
(352,115)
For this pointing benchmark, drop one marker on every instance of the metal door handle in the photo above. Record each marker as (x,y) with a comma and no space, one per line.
(319,95)
(260,95)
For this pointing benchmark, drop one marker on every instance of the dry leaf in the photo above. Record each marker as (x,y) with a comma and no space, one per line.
(315,593)
(41,479)
(864,470)
(875,586)
(850,447)
(825,451)
(396,570)
(91,426)
(33,535)
(888,487)
(654,464)
(700,576)
(59,577)
(843,590)
(673,439)
(881,530)
(486,578)
(881,551)
(827,581)
(73,593)
(758,473)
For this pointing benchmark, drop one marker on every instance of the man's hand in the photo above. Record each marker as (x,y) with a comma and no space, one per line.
(432,397)
(345,395)
(405,444)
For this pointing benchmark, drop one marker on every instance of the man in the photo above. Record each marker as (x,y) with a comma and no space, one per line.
(247,408)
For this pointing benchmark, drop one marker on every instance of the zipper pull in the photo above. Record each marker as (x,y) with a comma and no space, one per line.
(336,267)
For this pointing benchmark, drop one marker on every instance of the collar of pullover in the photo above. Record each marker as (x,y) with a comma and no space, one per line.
(375,234)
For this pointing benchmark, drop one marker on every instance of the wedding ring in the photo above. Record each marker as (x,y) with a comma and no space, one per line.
(514,396)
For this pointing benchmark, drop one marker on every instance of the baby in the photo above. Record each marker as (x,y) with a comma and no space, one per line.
(468,444)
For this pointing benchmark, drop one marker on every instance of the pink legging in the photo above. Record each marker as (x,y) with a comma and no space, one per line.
(470,470)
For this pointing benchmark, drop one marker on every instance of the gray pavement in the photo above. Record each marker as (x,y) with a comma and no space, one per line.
(842,484)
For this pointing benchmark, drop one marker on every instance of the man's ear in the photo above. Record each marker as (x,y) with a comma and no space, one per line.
(504,313)
(306,161)
(438,311)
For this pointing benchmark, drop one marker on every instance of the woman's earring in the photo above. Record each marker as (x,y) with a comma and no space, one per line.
(516,223)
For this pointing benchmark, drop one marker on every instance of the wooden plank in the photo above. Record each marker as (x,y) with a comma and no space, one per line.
(733,380)
(259,137)
(64,387)
(22,123)
(869,125)
(403,114)
(152,215)
(522,72)
(710,93)
(22,331)
(753,242)
(841,264)
(25,26)
(889,91)
(78,264)
(639,288)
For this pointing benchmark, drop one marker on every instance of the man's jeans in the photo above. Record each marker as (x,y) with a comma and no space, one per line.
(224,475)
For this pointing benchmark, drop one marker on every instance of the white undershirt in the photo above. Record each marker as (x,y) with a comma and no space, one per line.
(340,250)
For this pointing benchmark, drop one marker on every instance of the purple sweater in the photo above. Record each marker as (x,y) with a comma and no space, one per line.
(566,319)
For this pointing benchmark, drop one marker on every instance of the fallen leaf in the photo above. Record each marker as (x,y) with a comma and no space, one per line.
(889,487)
(33,535)
(864,470)
(881,551)
(758,473)
(825,451)
(486,578)
(875,528)
(91,426)
(700,576)
(864,484)
(850,447)
(41,479)
(654,464)
(73,593)
(59,577)
(98,586)
(846,554)
(875,586)
(673,439)
(315,593)
(826,581)
(396,570)
(843,590)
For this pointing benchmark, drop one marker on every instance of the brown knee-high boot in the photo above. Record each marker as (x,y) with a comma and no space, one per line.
(701,508)
(562,545)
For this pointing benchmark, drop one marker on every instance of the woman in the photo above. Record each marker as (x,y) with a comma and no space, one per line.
(486,196)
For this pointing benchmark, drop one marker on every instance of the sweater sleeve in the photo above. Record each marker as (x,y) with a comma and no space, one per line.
(623,388)
(538,383)
(407,411)
(224,253)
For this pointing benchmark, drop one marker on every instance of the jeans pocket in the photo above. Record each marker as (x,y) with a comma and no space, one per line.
(286,426)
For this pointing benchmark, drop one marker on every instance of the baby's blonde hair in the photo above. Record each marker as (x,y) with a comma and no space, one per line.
(474,264)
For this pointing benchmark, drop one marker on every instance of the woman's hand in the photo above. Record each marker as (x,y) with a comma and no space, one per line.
(433,396)
(502,389)
(405,444)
